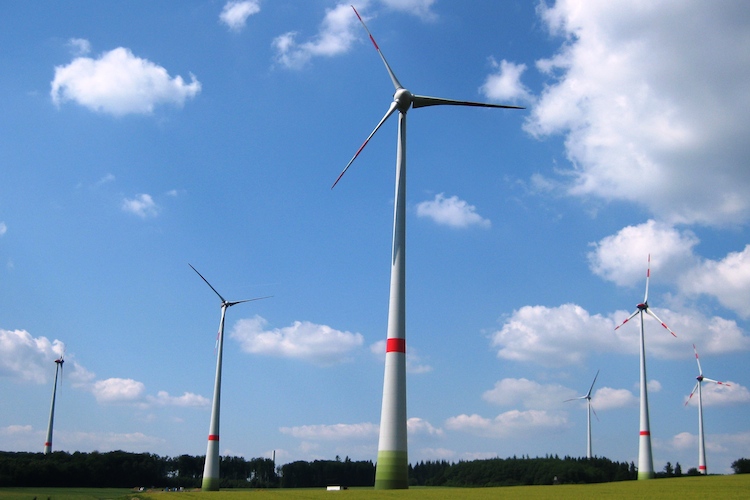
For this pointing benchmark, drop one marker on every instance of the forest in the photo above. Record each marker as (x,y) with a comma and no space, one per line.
(121,469)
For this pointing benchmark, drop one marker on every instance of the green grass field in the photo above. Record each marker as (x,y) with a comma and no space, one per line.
(723,487)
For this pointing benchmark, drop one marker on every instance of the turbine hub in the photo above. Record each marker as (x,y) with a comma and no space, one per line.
(643,306)
(699,378)
(403,99)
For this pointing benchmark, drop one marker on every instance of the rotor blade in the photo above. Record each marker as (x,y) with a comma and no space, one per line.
(234,303)
(692,392)
(588,394)
(705,379)
(209,284)
(648,311)
(648,275)
(628,319)
(700,370)
(395,81)
(388,113)
(420,101)
(574,399)
(592,409)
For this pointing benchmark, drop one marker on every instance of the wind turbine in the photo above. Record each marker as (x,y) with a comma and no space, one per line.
(701,436)
(587,397)
(211,467)
(392,466)
(645,458)
(58,369)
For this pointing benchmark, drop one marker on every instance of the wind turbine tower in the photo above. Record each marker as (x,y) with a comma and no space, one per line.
(392,463)
(211,467)
(590,408)
(58,369)
(701,437)
(645,458)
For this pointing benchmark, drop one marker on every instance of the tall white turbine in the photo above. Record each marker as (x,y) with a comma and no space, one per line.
(645,458)
(58,369)
(392,470)
(211,467)
(590,408)
(701,437)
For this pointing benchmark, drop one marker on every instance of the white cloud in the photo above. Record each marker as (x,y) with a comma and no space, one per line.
(188,399)
(235,13)
(117,390)
(505,84)
(419,8)
(335,36)
(3,228)
(416,425)
(119,83)
(645,120)
(557,336)
(608,398)
(414,363)
(728,393)
(79,46)
(567,334)
(510,423)
(623,258)
(27,358)
(333,432)
(530,394)
(728,280)
(319,344)
(142,205)
(451,212)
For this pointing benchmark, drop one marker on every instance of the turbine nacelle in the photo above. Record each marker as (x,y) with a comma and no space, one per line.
(643,306)
(403,99)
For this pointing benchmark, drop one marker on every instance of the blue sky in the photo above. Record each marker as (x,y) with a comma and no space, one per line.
(140,137)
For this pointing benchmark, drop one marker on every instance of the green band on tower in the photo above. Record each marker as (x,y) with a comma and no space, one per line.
(645,475)
(392,470)
(210,484)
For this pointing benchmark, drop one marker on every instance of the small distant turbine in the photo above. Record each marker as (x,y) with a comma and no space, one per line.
(590,408)
(645,458)
(392,471)
(58,369)
(701,437)
(211,467)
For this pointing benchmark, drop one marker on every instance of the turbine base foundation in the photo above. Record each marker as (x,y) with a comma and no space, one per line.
(210,484)
(392,471)
(645,475)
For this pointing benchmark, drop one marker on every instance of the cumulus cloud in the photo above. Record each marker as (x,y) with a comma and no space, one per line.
(318,344)
(119,83)
(727,393)
(117,390)
(623,257)
(530,394)
(451,212)
(188,399)
(728,280)
(416,425)
(333,432)
(567,334)
(28,358)
(79,46)
(644,120)
(419,8)
(334,37)
(235,13)
(505,83)
(608,398)
(142,205)
(510,423)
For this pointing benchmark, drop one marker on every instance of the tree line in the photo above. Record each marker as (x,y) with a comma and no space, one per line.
(126,470)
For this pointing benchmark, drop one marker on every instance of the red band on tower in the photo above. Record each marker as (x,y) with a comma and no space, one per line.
(395,345)
(645,433)
(213,437)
